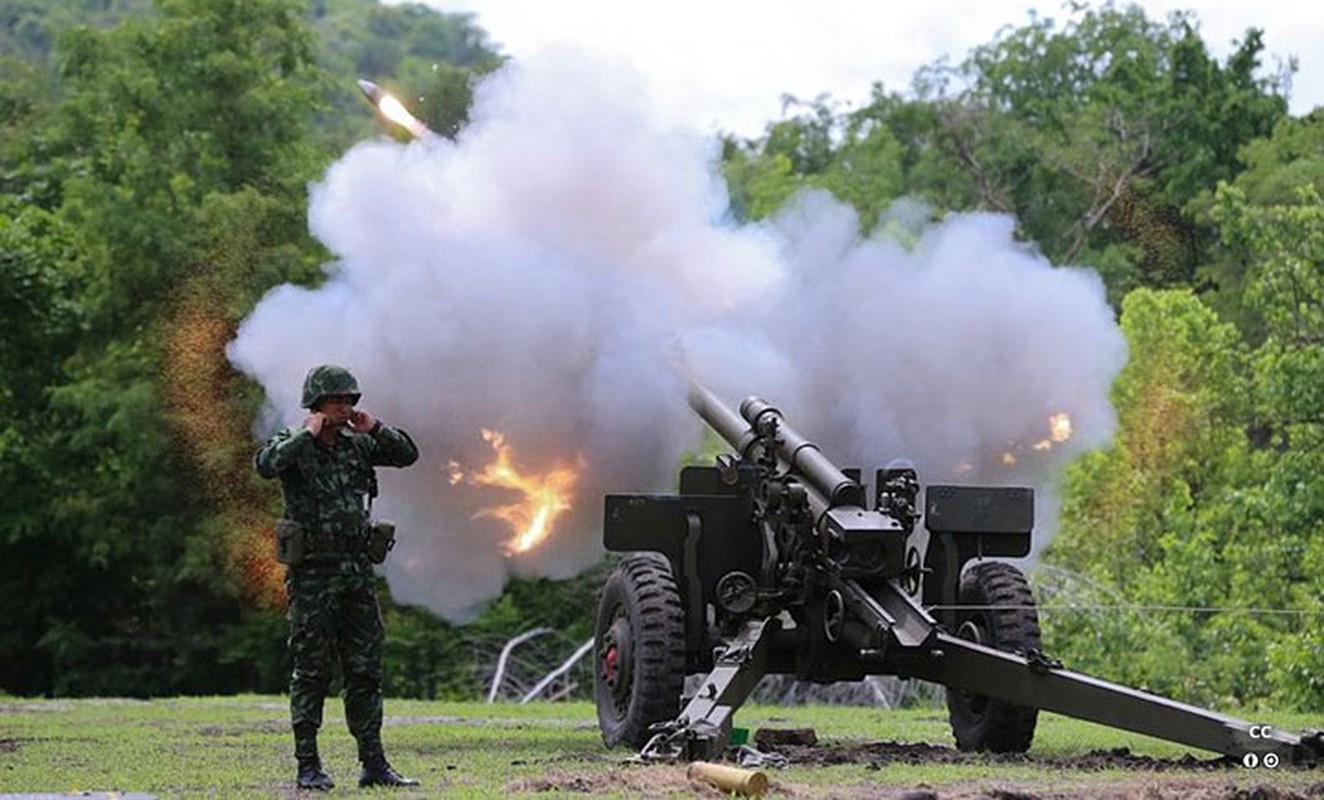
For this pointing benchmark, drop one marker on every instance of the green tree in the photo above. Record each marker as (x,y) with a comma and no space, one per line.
(1096,135)
(162,118)
(854,158)
(38,300)
(1178,404)
(1276,168)
(1280,561)
(29,28)
(758,184)
(1145,521)
(1119,122)
(152,187)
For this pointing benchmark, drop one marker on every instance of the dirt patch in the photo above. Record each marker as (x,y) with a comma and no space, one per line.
(1217,778)
(883,753)
(478,722)
(8,745)
(29,708)
(1150,790)
(1065,778)
(671,782)
(636,780)
(262,726)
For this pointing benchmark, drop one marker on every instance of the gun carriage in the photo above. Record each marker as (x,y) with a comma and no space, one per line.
(773,561)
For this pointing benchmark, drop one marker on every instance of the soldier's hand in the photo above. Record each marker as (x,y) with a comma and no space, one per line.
(314,422)
(361,421)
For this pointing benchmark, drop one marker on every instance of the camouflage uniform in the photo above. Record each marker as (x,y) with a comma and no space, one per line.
(333,610)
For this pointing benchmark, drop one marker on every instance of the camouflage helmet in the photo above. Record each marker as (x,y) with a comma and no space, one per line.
(327,380)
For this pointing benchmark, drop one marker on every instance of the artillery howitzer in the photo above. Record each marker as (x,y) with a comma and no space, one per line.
(772,562)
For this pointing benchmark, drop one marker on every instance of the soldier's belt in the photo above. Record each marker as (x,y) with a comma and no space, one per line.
(296,543)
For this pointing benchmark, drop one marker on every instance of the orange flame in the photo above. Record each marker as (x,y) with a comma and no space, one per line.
(1060,426)
(545,496)
(1059,431)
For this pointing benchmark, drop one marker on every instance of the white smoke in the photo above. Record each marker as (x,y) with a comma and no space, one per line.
(560,270)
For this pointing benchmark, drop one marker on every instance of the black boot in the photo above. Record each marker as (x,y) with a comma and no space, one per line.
(377,772)
(311,774)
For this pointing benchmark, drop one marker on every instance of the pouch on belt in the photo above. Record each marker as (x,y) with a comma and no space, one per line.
(381,538)
(289,542)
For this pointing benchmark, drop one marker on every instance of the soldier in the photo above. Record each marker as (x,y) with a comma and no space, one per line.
(327,481)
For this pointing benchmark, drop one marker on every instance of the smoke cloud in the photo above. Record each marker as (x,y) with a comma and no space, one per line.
(558,272)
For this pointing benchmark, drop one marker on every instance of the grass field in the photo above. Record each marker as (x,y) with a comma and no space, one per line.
(241,747)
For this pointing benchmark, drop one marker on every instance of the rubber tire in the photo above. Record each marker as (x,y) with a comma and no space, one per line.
(981,723)
(640,602)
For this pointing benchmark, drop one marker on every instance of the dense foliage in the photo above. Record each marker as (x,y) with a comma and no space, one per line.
(154,173)
(154,159)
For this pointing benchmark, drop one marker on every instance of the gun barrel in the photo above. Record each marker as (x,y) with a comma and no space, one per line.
(802,455)
(728,424)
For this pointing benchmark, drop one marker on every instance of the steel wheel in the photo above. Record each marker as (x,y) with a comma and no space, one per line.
(639,650)
(1004,618)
